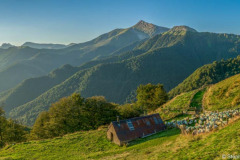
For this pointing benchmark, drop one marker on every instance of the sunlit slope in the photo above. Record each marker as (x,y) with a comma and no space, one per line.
(223,95)
(208,74)
(166,145)
(176,105)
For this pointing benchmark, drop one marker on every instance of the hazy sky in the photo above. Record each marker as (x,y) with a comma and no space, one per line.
(66,21)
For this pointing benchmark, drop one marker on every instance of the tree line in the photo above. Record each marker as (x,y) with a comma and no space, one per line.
(75,113)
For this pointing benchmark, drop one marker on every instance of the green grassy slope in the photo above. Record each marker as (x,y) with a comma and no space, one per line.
(176,105)
(225,94)
(197,99)
(165,145)
(208,74)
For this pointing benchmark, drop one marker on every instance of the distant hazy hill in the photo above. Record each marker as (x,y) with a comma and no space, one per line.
(26,62)
(44,45)
(31,88)
(208,74)
(6,45)
(166,58)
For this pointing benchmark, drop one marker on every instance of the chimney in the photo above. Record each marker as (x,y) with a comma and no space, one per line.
(118,119)
(145,113)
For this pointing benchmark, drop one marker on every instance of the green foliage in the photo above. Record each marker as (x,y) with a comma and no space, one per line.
(97,111)
(72,114)
(10,131)
(127,111)
(151,96)
(40,130)
(208,74)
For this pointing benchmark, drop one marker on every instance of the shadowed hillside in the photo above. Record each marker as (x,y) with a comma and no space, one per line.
(31,88)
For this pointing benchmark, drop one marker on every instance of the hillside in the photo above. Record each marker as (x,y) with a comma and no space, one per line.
(220,96)
(165,145)
(31,88)
(223,95)
(41,61)
(208,74)
(176,106)
(168,58)
(27,91)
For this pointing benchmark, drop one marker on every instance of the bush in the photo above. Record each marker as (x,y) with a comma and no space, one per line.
(73,113)
(151,96)
(10,131)
(127,111)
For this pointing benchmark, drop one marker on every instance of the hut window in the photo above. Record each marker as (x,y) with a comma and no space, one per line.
(130,125)
(155,120)
(160,121)
(148,123)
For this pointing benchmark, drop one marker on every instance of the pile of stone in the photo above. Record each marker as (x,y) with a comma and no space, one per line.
(205,122)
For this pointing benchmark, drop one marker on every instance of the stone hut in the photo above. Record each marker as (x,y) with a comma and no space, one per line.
(123,131)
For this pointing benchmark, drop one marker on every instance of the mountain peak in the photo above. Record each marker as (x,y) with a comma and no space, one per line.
(149,28)
(183,28)
(142,23)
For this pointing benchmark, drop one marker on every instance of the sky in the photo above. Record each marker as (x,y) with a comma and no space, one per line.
(76,21)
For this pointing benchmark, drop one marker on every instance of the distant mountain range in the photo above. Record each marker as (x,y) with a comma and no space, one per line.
(19,63)
(6,46)
(37,45)
(112,65)
(45,45)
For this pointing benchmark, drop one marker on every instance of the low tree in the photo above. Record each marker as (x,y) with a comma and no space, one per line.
(151,96)
(39,129)
(10,131)
(63,117)
(3,123)
(71,114)
(127,111)
(98,111)
(14,132)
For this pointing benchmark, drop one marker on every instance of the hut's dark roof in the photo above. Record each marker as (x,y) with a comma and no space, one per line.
(137,127)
